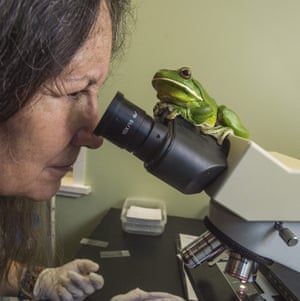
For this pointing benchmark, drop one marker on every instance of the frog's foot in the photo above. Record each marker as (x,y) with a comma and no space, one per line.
(219,132)
(166,110)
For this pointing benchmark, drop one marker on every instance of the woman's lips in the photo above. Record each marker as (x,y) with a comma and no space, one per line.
(61,170)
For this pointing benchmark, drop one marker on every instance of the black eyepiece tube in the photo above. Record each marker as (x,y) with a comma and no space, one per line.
(175,151)
(124,124)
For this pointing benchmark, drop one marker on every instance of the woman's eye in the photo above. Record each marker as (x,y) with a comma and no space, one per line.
(77,95)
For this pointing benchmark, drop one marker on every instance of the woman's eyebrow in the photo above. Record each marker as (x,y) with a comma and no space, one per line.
(90,81)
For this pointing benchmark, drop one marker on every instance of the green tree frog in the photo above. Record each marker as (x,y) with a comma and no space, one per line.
(181,94)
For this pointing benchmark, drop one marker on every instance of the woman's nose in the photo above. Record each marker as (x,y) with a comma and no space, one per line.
(87,138)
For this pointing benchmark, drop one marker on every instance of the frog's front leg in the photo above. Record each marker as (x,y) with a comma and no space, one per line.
(194,114)
(229,118)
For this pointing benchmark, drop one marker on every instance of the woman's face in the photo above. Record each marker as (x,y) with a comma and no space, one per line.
(40,143)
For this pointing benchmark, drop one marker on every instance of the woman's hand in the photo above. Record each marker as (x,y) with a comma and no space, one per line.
(140,295)
(73,281)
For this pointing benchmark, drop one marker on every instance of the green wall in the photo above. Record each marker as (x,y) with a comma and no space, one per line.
(246,54)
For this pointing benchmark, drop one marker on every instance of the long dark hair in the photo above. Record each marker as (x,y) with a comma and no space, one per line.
(38,38)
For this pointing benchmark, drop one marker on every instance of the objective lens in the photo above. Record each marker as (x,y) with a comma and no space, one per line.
(205,247)
(241,267)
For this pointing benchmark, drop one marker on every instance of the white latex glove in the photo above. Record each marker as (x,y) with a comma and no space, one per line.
(73,281)
(140,295)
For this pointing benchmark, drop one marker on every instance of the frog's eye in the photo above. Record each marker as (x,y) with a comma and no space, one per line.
(185,72)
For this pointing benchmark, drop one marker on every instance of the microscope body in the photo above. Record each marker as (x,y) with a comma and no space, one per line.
(254,210)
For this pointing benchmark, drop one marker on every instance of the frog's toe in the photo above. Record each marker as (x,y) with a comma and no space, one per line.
(224,135)
(218,132)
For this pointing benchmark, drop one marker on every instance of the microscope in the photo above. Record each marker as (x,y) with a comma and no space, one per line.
(254,209)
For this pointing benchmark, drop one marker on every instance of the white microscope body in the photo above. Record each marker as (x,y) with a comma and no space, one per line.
(255,202)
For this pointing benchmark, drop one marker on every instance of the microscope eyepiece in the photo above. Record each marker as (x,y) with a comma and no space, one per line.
(129,127)
(174,151)
(124,124)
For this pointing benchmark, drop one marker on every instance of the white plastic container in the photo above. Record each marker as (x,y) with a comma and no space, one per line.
(143,216)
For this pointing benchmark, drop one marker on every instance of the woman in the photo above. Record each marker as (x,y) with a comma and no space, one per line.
(54,57)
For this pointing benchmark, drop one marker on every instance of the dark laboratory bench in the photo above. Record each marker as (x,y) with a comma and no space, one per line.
(153,264)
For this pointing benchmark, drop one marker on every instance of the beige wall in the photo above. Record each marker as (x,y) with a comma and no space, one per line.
(246,54)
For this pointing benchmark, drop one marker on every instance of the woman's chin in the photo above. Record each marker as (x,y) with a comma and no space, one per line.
(43,194)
